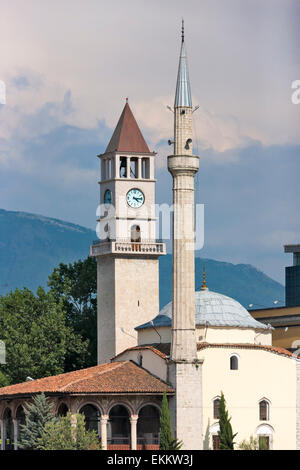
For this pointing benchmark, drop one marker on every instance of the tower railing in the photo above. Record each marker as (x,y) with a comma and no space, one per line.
(127,246)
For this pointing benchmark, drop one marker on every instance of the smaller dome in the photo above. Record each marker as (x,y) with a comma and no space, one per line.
(212,309)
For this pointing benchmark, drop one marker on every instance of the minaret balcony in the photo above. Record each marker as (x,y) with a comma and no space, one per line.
(128,247)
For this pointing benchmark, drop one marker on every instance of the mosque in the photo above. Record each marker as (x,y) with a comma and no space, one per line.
(199,345)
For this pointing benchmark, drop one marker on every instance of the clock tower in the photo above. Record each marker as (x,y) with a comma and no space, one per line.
(127,251)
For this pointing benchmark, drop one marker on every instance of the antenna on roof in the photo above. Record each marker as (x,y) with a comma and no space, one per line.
(182,30)
(204,286)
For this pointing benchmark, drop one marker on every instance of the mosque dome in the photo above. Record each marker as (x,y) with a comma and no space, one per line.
(212,309)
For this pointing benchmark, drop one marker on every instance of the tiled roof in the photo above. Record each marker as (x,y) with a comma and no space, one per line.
(273,349)
(152,347)
(116,377)
(127,136)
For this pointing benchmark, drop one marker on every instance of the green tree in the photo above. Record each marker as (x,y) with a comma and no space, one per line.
(37,415)
(225,434)
(62,434)
(76,285)
(167,441)
(252,444)
(38,340)
(3,380)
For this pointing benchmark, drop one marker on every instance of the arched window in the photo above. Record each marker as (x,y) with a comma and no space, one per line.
(148,427)
(216,408)
(92,418)
(264,410)
(118,431)
(264,433)
(234,362)
(62,410)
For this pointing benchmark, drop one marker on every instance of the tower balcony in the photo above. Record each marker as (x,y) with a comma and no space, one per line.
(128,247)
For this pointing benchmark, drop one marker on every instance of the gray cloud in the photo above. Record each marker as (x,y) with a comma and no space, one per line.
(66,88)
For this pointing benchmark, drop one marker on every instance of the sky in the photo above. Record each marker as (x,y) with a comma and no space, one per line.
(68,66)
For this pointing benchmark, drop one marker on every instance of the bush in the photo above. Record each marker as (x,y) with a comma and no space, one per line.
(66,434)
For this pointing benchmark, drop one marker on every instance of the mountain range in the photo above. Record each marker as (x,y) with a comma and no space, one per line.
(32,245)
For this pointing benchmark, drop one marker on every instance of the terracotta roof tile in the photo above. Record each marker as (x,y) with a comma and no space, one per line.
(141,348)
(274,349)
(127,136)
(116,377)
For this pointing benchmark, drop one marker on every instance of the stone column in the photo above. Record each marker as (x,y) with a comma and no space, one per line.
(139,168)
(133,423)
(128,167)
(15,425)
(2,427)
(103,421)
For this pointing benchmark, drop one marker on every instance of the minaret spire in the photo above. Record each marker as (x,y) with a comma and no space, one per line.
(183,95)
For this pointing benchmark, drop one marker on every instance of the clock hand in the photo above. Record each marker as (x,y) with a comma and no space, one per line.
(137,198)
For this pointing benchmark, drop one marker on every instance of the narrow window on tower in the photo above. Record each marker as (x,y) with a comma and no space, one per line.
(123,167)
(133,167)
(145,168)
(109,173)
(103,170)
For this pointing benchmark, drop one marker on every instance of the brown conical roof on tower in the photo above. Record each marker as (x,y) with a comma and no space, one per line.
(127,136)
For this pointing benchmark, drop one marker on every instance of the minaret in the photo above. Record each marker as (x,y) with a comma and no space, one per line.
(185,370)
(183,166)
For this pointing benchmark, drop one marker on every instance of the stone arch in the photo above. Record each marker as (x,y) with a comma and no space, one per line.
(95,403)
(145,403)
(92,413)
(123,403)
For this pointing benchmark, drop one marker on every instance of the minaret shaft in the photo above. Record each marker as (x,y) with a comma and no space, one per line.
(183,169)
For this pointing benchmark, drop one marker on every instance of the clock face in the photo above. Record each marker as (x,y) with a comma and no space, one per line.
(135,198)
(107,197)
